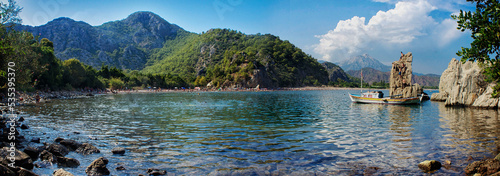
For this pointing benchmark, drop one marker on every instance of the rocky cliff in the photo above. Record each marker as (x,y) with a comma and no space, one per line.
(463,84)
(401,76)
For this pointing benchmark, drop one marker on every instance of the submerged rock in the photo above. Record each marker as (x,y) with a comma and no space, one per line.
(118,151)
(120,168)
(67,162)
(429,165)
(98,167)
(87,149)
(153,171)
(70,144)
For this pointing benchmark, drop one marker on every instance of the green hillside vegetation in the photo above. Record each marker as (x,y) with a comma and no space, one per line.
(227,57)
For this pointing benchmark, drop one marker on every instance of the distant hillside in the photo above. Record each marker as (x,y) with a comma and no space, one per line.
(371,75)
(334,72)
(363,61)
(125,43)
(227,58)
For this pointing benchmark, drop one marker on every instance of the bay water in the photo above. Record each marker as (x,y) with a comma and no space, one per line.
(262,133)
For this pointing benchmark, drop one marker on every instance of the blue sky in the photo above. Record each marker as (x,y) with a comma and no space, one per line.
(331,30)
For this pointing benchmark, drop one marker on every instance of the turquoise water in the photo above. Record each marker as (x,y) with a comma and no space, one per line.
(263,133)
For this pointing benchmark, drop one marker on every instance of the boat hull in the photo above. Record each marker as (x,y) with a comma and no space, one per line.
(392,101)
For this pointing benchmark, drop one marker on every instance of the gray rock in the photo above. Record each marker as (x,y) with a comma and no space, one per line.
(429,165)
(98,167)
(87,149)
(463,84)
(62,172)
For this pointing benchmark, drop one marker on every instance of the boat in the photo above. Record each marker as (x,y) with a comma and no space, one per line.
(377,97)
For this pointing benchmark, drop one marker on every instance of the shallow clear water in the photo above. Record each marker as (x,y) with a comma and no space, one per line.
(252,133)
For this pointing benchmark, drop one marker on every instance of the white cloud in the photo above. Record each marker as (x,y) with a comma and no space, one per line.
(405,23)
(396,26)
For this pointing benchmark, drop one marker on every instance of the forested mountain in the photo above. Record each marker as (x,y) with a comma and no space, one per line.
(125,44)
(219,57)
(229,58)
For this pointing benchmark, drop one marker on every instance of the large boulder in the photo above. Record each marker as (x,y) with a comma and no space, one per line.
(463,84)
(98,167)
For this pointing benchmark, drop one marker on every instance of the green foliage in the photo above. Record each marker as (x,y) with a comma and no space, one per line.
(484,25)
(223,55)
(116,83)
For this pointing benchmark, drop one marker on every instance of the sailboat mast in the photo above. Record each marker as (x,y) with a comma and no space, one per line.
(361,81)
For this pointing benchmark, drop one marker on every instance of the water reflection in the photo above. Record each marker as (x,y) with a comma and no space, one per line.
(319,132)
(475,131)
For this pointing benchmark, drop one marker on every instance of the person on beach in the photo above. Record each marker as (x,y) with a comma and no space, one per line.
(401,56)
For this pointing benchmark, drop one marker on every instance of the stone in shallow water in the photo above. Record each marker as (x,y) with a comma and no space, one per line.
(429,165)
(98,167)
(62,172)
(118,150)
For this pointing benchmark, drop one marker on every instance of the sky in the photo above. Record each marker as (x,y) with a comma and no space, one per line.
(330,30)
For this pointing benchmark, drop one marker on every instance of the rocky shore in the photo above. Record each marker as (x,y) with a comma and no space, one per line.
(20,154)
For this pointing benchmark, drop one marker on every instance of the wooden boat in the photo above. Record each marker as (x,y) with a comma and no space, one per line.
(377,97)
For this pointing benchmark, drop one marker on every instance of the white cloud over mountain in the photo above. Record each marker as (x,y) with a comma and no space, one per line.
(406,22)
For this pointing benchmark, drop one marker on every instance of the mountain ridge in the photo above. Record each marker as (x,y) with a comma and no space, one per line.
(123,43)
(363,61)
